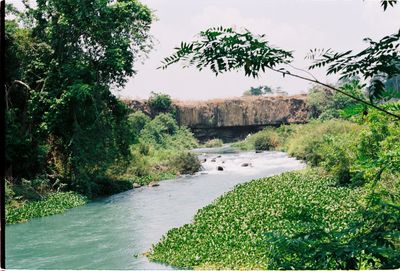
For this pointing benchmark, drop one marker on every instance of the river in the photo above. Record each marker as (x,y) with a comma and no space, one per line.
(114,232)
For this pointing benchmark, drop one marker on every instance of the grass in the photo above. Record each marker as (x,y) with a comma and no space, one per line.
(232,231)
(53,204)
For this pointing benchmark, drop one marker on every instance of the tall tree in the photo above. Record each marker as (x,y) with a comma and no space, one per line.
(62,63)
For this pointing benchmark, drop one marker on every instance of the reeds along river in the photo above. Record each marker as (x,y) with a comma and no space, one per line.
(110,232)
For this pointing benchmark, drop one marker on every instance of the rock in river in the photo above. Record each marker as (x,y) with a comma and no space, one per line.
(152,184)
(136,185)
(220,168)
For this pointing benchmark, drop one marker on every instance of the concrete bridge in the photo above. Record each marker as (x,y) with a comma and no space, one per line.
(234,118)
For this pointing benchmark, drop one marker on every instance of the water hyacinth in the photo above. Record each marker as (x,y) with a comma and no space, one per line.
(54,204)
(232,232)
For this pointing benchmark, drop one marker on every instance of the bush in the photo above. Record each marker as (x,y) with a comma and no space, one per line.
(325,104)
(156,131)
(164,133)
(9,193)
(212,143)
(185,163)
(339,154)
(307,141)
(266,140)
(137,121)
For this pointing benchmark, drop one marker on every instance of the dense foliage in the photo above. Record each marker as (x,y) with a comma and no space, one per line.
(62,119)
(160,151)
(160,103)
(326,104)
(66,131)
(234,232)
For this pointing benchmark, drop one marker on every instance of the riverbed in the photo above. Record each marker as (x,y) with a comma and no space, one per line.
(114,232)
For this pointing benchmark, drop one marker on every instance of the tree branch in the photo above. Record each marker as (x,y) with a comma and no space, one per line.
(338,90)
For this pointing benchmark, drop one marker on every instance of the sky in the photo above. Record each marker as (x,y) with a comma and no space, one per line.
(298,25)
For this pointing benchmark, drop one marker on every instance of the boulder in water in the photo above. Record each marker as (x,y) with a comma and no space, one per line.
(219,168)
(153,184)
(213,160)
(136,185)
(246,164)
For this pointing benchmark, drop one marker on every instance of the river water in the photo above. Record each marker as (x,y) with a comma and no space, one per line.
(114,232)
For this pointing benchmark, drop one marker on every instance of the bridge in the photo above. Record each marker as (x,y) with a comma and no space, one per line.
(234,118)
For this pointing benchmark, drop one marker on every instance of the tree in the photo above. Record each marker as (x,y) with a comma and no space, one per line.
(258,91)
(160,103)
(64,56)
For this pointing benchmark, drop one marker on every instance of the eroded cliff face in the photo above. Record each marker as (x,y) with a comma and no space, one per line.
(233,118)
(244,111)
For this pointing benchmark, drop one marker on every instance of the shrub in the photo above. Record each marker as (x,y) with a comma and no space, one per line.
(183,139)
(32,190)
(308,140)
(339,154)
(164,133)
(212,143)
(156,131)
(9,193)
(325,104)
(185,163)
(137,121)
(266,140)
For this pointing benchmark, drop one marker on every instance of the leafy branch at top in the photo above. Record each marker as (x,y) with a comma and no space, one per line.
(379,61)
(223,49)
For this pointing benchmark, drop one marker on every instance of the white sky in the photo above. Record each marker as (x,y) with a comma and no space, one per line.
(297,25)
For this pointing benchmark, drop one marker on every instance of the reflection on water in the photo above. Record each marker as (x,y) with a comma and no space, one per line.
(108,233)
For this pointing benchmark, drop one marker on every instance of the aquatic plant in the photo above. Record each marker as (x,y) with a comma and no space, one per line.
(54,204)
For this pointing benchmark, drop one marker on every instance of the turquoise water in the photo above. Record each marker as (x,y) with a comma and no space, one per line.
(114,232)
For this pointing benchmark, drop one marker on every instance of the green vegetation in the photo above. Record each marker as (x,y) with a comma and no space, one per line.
(233,232)
(326,104)
(160,151)
(53,204)
(343,214)
(257,91)
(160,103)
(264,90)
(66,131)
(212,143)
